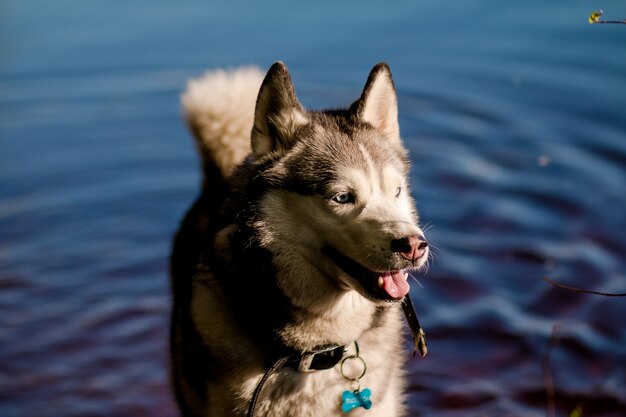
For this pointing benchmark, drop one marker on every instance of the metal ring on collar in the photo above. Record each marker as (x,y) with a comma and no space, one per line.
(353,357)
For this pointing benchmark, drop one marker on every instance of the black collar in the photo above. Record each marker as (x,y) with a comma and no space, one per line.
(325,357)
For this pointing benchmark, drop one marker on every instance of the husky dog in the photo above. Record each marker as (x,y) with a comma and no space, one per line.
(289,269)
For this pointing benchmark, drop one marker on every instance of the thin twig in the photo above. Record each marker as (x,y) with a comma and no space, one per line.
(567,287)
(594,19)
(612,22)
(547,372)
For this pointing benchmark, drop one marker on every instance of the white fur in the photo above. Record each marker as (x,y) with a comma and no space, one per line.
(219,107)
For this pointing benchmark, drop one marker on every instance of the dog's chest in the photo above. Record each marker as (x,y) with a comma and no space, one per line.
(378,369)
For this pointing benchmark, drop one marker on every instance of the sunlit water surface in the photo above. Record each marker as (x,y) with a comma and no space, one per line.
(515,117)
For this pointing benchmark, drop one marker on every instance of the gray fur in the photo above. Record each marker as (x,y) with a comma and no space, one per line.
(251,278)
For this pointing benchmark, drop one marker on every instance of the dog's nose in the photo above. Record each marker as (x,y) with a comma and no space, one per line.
(411,247)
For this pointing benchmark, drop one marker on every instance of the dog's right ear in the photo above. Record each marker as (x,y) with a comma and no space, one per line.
(378,104)
(278,115)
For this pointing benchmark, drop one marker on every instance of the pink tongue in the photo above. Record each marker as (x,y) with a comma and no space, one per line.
(395,284)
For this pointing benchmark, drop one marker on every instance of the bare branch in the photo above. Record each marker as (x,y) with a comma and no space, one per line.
(567,287)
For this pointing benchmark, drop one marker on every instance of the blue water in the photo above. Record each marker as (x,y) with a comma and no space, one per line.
(515,116)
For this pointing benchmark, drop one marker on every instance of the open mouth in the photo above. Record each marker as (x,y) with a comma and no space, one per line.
(385,285)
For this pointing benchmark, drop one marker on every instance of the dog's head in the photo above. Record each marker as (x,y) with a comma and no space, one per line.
(337,190)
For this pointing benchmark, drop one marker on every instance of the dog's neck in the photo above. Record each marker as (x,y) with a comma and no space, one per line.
(286,300)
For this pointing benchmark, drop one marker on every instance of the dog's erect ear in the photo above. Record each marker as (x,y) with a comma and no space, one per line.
(278,115)
(378,104)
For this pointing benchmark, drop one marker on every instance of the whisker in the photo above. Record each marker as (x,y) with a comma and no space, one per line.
(434,250)
(426,227)
(416,280)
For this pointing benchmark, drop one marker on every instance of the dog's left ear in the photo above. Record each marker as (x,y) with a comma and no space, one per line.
(378,104)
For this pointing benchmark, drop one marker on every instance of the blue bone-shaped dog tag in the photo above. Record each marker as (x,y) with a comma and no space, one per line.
(354,399)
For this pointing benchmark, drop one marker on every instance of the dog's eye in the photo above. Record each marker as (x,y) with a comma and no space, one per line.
(398,191)
(344,198)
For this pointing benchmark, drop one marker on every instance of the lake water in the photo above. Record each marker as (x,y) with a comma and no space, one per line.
(515,116)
